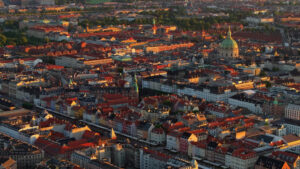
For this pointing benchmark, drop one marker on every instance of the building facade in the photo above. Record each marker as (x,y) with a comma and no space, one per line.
(292,111)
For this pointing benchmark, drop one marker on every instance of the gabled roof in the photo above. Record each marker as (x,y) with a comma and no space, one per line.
(269,163)
(199,144)
(175,134)
(175,126)
(198,131)
(285,156)
(89,134)
(186,135)
(158,131)
(212,144)
(157,155)
(244,153)
(49,147)
(291,138)
(265,138)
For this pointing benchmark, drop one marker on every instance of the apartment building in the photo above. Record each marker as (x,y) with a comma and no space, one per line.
(292,111)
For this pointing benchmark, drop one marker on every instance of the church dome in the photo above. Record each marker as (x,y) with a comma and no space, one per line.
(229,43)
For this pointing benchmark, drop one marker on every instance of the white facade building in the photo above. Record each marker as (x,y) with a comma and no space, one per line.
(292,111)
(240,162)
(203,93)
(172,142)
(119,155)
(148,160)
(252,105)
(68,61)
(158,136)
(196,150)
(257,20)
(292,128)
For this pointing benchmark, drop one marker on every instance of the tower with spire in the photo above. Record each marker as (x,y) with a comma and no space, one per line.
(194,164)
(135,84)
(229,48)
(113,135)
(154,28)
(134,87)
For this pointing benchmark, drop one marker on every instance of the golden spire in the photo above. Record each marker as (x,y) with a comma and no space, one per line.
(113,134)
(229,33)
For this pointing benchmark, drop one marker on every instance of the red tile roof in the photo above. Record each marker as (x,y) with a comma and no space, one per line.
(244,153)
(199,144)
(285,156)
(158,131)
(157,154)
(90,134)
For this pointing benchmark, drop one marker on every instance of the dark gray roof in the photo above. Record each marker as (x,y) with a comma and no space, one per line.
(270,163)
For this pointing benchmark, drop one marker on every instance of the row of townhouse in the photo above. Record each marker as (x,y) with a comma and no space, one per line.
(22,89)
(205,92)
(240,158)
(152,159)
(78,62)
(137,129)
(241,100)
(179,142)
(14,62)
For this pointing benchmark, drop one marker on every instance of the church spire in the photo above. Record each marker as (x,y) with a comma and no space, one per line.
(194,164)
(113,135)
(154,28)
(229,33)
(135,84)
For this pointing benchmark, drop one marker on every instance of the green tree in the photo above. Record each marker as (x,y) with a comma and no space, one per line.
(27,105)
(3,40)
(275,69)
(262,74)
(47,40)
(11,42)
(220,36)
(168,103)
(268,84)
(60,2)
(11,24)
(23,40)
(47,59)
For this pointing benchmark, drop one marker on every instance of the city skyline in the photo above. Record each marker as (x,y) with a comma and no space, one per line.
(148,84)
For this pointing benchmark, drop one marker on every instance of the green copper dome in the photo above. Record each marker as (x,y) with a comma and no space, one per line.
(229,43)
(275,101)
